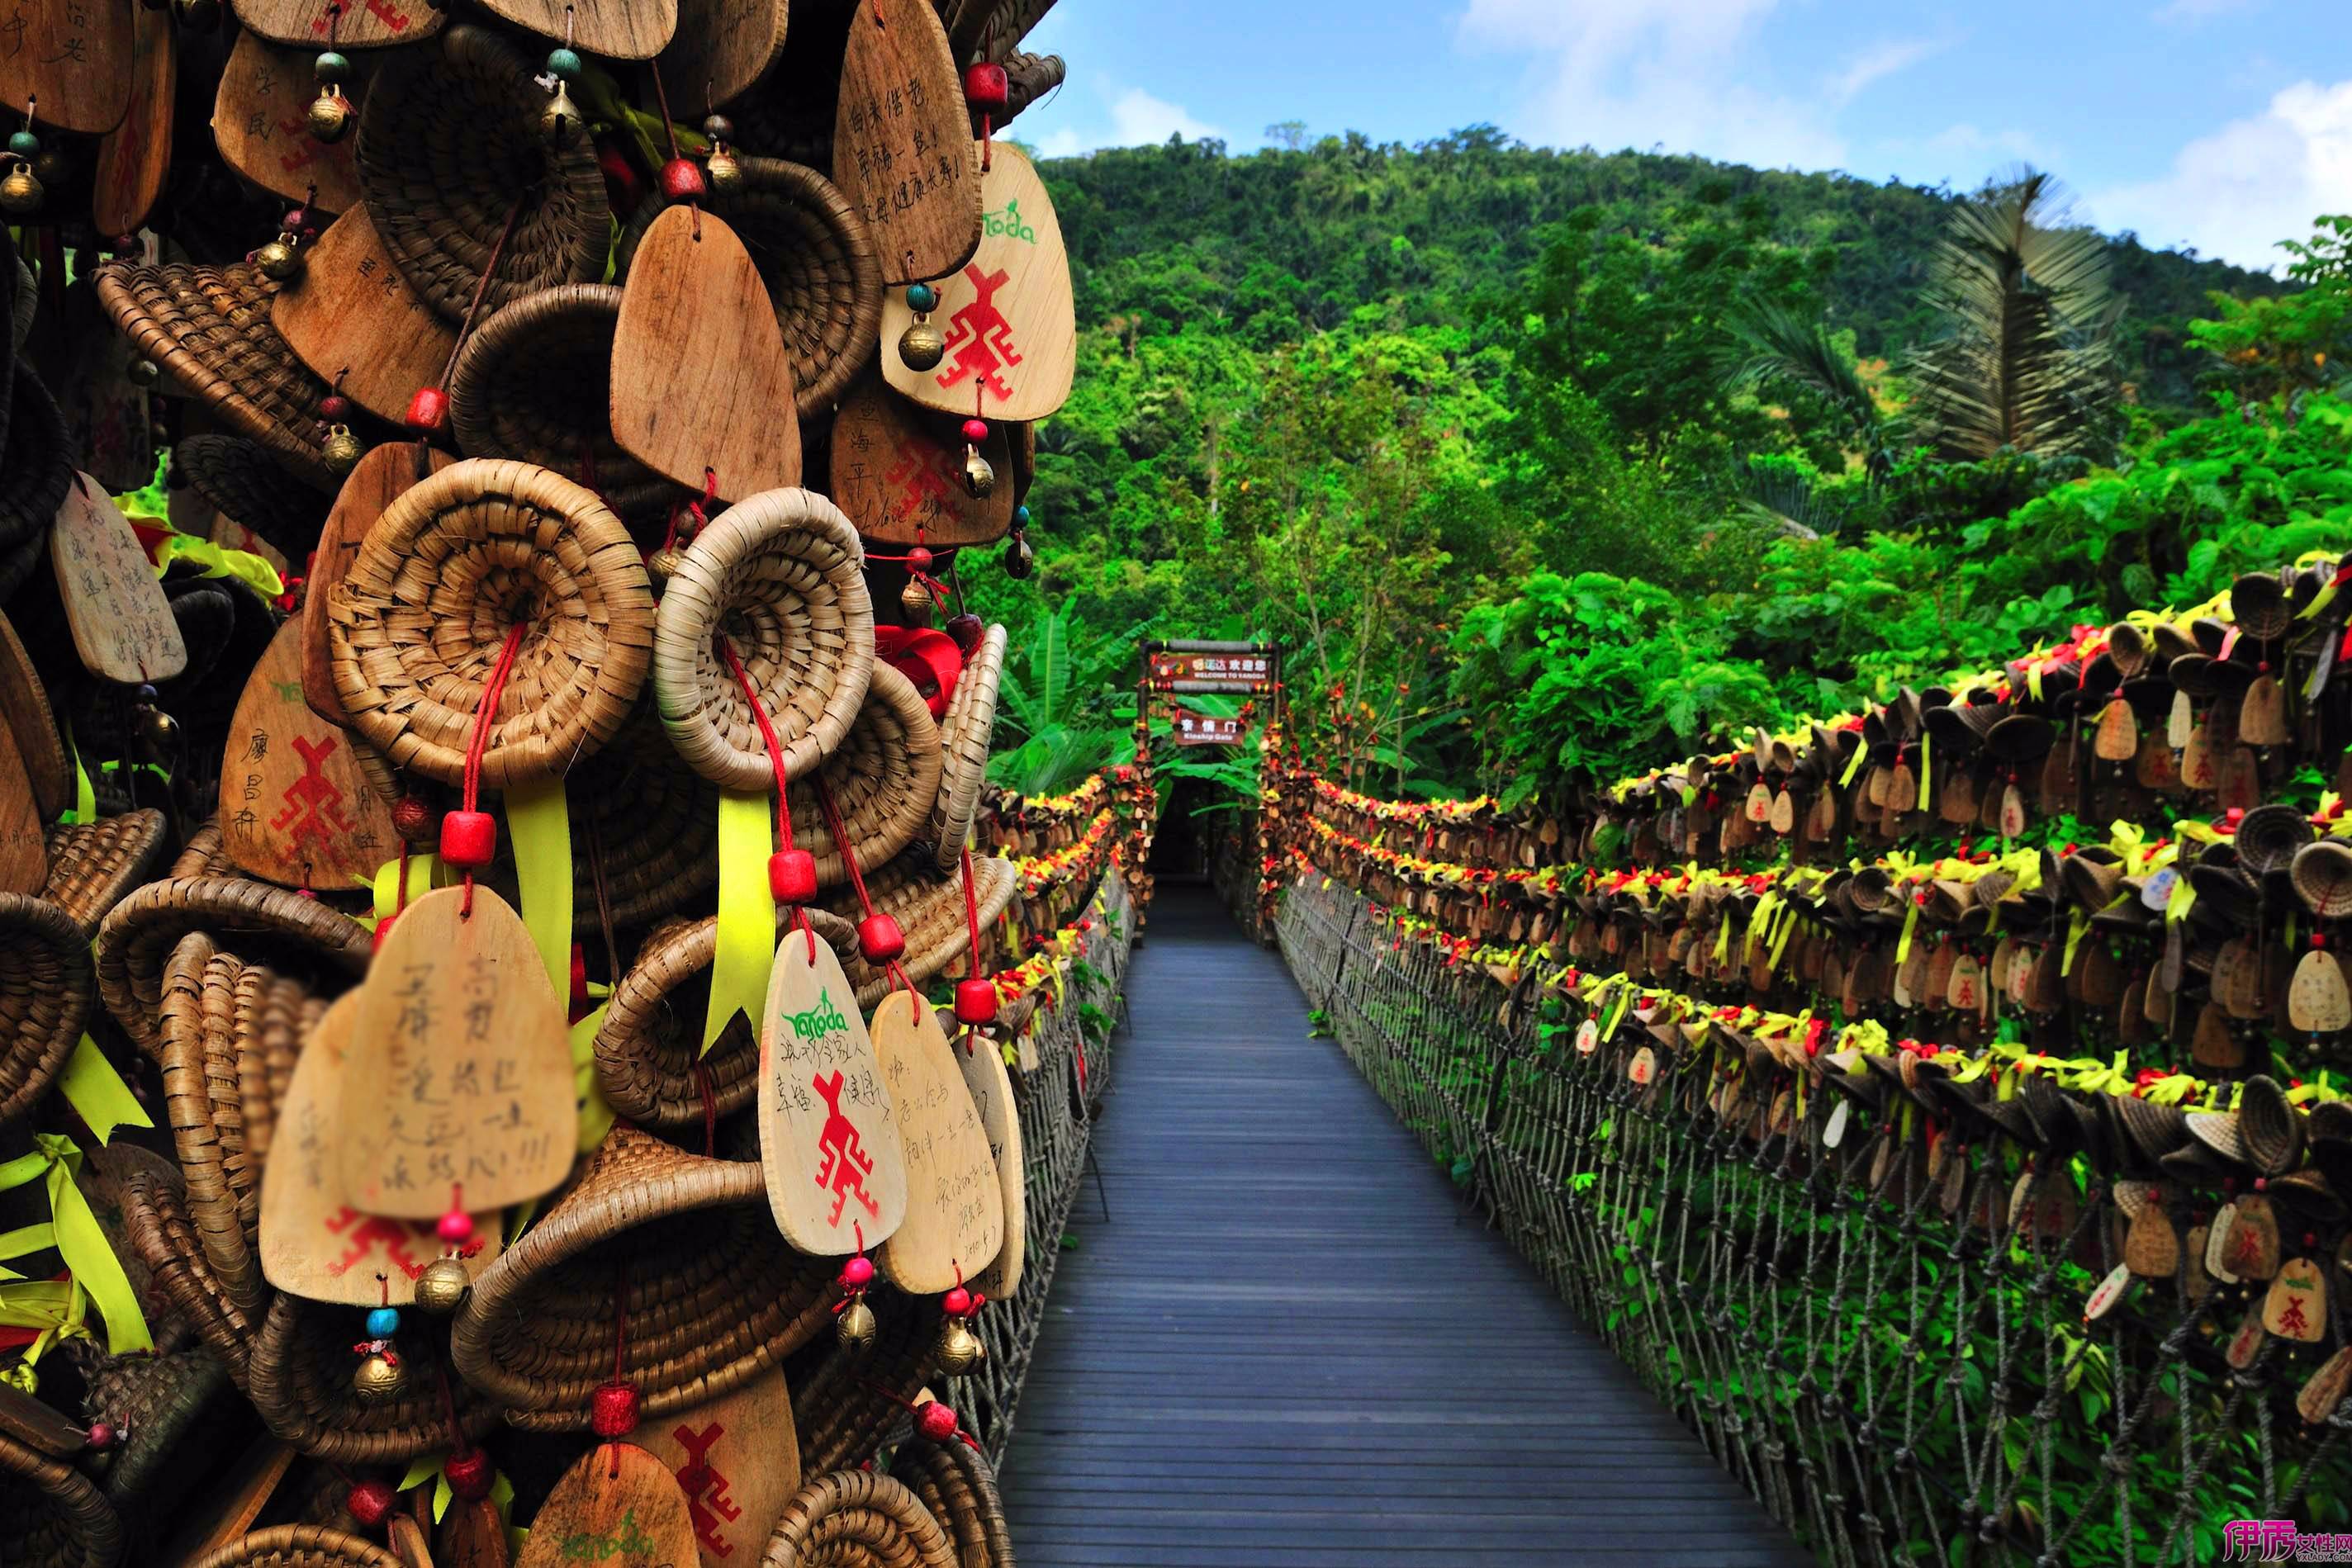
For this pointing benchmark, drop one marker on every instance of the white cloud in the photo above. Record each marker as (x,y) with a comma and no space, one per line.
(1137,117)
(1988,147)
(1877,63)
(2238,192)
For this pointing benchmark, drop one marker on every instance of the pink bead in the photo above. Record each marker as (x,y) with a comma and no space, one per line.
(456,1228)
(935,1421)
(956,1303)
(975,431)
(857,1272)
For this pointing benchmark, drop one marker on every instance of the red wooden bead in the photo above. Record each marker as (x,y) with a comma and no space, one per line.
(879,938)
(975,1001)
(935,1421)
(681,180)
(371,1503)
(102,1435)
(792,876)
(857,1272)
(975,431)
(334,408)
(986,87)
(956,1303)
(469,839)
(613,1410)
(469,1474)
(919,559)
(428,411)
(409,815)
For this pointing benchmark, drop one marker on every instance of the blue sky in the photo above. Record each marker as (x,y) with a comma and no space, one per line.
(2222,124)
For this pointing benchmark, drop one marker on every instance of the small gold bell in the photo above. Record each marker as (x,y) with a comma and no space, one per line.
(278,259)
(663,564)
(20,193)
(342,449)
(441,1288)
(960,1348)
(144,373)
(379,1380)
(979,478)
(1020,560)
(331,114)
(915,600)
(159,734)
(921,345)
(722,171)
(559,119)
(855,1328)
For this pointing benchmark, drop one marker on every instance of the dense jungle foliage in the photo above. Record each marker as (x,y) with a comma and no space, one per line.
(1546,464)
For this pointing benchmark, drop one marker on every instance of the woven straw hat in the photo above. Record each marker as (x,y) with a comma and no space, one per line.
(2322,874)
(714,1295)
(240,477)
(45,976)
(958,1487)
(165,1406)
(2257,602)
(780,574)
(423,615)
(301,1380)
(155,1213)
(884,778)
(2269,836)
(208,330)
(136,940)
(964,734)
(816,258)
(52,1515)
(34,469)
(297,1546)
(645,1048)
(94,865)
(2270,1126)
(450,147)
(1027,79)
(534,383)
(929,909)
(857,1519)
(646,817)
(845,1404)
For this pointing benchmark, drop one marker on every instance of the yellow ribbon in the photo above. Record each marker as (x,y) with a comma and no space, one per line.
(542,830)
(97,1093)
(74,1231)
(747,912)
(219,561)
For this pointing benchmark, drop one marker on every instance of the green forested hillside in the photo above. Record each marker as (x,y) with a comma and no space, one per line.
(1378,402)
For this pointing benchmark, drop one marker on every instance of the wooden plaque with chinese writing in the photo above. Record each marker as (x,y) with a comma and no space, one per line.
(294,807)
(902,148)
(74,56)
(261,122)
(836,1177)
(314,1244)
(738,1460)
(135,155)
(354,320)
(617,29)
(24,853)
(1000,1118)
(365,24)
(955,1200)
(459,1076)
(721,51)
(1011,326)
(122,625)
(699,376)
(25,715)
(384,474)
(898,473)
(108,418)
(616,1507)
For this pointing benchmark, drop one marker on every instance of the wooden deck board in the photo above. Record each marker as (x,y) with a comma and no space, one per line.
(1291,1344)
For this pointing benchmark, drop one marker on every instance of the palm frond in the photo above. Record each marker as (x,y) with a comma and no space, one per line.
(1787,351)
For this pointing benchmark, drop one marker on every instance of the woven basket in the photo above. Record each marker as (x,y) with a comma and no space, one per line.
(34,469)
(93,866)
(964,734)
(240,477)
(645,1048)
(449,147)
(818,260)
(884,778)
(297,1546)
(930,912)
(166,1242)
(957,1487)
(714,1296)
(534,383)
(299,935)
(202,855)
(780,574)
(417,623)
(1027,79)
(52,1515)
(856,1519)
(165,1407)
(845,1404)
(208,330)
(44,975)
(649,817)
(300,1379)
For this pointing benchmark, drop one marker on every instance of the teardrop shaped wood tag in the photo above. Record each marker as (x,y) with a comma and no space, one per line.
(898,472)
(1876,782)
(1833,1129)
(1759,802)
(2262,712)
(351,316)
(2117,740)
(616,1507)
(312,1243)
(2012,812)
(2110,1290)
(828,1138)
(2316,1000)
(2296,1305)
(1784,812)
(295,807)
(2236,980)
(1644,1067)
(2101,973)
(2159,768)
(982,1061)
(2004,959)
(2253,1239)
(384,475)
(2239,781)
(121,623)
(303,23)
(1821,821)
(259,124)
(1964,990)
(2217,1245)
(459,1077)
(2326,1389)
(1956,801)
(2181,722)
(2060,783)
(2195,1280)
(75,59)
(700,379)
(25,717)
(2247,1342)
(2151,1246)
(135,156)
(617,29)
(902,149)
(2200,768)
(738,1460)
(1902,791)
(24,850)
(1588,1038)
(1911,977)
(2214,1044)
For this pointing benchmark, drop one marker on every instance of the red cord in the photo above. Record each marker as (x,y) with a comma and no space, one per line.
(775,761)
(485,714)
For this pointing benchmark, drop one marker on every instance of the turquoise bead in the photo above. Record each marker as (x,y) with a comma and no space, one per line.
(921,298)
(382,1323)
(24,144)
(563,64)
(1020,517)
(332,67)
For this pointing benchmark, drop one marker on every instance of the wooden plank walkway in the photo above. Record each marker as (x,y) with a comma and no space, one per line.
(1291,1345)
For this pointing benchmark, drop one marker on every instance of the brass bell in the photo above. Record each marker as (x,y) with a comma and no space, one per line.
(722,171)
(664,564)
(159,734)
(342,449)
(959,1349)
(1020,560)
(379,1380)
(855,1328)
(921,345)
(20,192)
(331,114)
(560,118)
(915,600)
(441,1288)
(979,478)
(144,373)
(278,259)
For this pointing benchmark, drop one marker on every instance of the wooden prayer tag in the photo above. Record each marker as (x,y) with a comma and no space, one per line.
(459,1075)
(699,376)
(2217,1245)
(38,1426)
(1784,812)
(384,474)
(2296,1306)
(2262,712)
(955,1199)
(738,1460)
(353,317)
(617,1507)
(721,49)
(2117,740)
(367,25)
(1000,1118)
(2111,1291)
(2253,1252)
(2247,1342)
(618,29)
(828,1144)
(261,122)
(227,1507)
(1759,802)
(2326,1390)
(2152,1247)
(312,1243)
(898,473)
(1833,1130)
(1965,988)
(405,1537)
(294,807)
(75,59)
(122,625)
(473,1535)
(1645,1066)
(133,157)
(24,713)
(902,147)
(1008,315)
(1588,1036)
(2316,1000)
